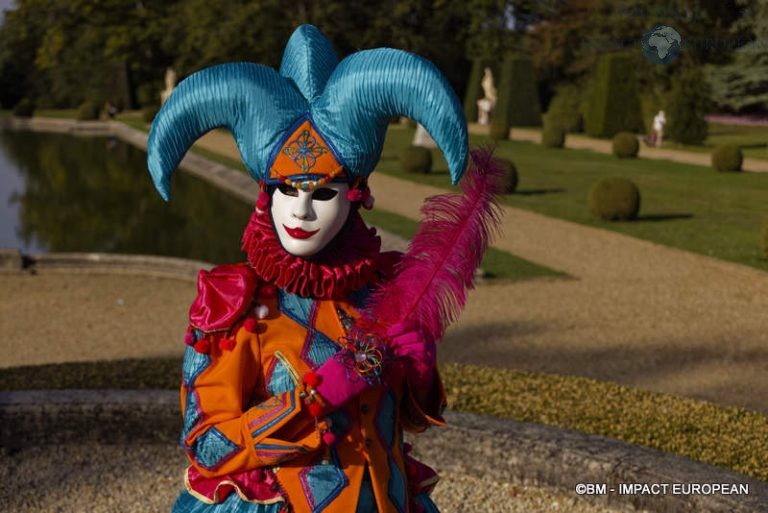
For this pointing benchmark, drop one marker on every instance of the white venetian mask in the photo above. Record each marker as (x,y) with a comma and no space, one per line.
(306,221)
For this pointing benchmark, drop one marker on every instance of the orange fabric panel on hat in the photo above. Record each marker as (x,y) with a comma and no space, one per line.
(305,156)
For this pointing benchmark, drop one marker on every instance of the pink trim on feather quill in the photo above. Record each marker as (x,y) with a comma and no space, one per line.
(438,269)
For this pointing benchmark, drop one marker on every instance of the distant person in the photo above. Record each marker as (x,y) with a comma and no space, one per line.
(111,109)
(658,129)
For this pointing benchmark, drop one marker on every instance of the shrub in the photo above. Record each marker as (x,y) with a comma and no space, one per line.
(687,106)
(614,199)
(88,110)
(416,159)
(567,109)
(149,112)
(727,157)
(509,179)
(614,104)
(553,135)
(625,145)
(24,109)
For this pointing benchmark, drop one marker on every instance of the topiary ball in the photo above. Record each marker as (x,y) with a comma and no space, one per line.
(416,159)
(727,157)
(88,110)
(614,199)
(625,145)
(553,136)
(509,179)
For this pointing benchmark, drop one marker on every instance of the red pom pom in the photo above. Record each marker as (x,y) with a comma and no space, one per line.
(226,344)
(311,379)
(315,409)
(262,202)
(250,325)
(203,346)
(189,339)
(329,438)
(268,291)
(411,471)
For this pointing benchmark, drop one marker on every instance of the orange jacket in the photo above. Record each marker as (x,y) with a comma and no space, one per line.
(243,411)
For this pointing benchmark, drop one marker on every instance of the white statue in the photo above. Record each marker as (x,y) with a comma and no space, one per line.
(422,138)
(170,83)
(658,128)
(486,104)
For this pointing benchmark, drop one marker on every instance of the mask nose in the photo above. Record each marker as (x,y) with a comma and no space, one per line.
(302,207)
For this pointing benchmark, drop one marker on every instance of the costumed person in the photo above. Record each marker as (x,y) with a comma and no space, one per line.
(305,364)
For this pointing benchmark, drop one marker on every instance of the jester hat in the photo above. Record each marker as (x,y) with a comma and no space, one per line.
(314,121)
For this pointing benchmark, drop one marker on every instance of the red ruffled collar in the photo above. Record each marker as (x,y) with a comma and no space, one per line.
(347,265)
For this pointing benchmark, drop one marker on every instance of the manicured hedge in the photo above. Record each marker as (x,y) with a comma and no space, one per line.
(614,104)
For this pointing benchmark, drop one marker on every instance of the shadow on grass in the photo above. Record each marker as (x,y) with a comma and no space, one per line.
(538,192)
(663,217)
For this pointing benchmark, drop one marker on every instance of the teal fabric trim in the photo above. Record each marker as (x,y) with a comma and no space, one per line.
(385,419)
(186,503)
(212,449)
(193,365)
(320,348)
(272,416)
(396,487)
(280,380)
(366,502)
(322,483)
(295,307)
(426,502)
(192,416)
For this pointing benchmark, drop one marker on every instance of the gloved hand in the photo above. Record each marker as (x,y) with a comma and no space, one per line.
(337,383)
(418,353)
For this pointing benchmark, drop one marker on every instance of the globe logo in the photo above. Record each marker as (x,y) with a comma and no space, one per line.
(661,44)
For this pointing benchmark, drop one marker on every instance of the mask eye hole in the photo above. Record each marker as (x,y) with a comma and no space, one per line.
(287,190)
(324,194)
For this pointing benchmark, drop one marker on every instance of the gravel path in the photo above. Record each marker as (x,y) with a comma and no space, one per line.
(147,479)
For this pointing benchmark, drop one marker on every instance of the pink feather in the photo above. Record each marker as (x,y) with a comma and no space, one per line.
(431,286)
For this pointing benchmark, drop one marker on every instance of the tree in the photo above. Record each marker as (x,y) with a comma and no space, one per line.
(742,85)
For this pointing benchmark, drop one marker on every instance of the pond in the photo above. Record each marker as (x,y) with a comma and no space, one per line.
(63,193)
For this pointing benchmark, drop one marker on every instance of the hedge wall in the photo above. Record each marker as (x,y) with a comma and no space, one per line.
(614,103)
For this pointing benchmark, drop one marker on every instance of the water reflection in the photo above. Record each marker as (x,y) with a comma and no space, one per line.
(94,194)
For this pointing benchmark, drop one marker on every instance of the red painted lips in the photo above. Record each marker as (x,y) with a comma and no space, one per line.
(298,233)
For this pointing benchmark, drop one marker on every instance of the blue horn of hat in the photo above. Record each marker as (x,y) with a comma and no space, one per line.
(253,101)
(350,104)
(369,87)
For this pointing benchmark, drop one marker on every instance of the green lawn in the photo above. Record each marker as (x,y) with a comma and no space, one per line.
(753,140)
(56,113)
(689,207)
